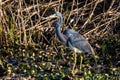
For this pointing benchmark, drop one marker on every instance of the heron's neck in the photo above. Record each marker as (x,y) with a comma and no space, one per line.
(60,22)
(59,34)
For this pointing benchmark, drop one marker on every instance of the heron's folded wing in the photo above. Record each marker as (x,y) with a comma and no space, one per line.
(77,41)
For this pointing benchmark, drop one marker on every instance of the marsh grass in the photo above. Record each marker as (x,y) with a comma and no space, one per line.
(29,48)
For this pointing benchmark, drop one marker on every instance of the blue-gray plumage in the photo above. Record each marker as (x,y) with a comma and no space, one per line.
(72,39)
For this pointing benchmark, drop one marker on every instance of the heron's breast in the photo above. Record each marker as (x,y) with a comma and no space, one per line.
(64,37)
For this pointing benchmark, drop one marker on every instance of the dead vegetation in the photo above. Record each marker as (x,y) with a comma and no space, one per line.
(21,19)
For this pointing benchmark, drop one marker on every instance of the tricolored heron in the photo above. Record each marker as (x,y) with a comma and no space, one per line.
(72,39)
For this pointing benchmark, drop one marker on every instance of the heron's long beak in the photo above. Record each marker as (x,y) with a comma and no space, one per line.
(51,16)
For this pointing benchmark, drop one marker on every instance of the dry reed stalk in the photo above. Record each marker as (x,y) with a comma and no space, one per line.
(28,17)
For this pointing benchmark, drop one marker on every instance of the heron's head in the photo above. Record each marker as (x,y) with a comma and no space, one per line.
(55,15)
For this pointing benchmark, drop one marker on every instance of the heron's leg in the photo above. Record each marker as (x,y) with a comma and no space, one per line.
(81,60)
(75,61)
